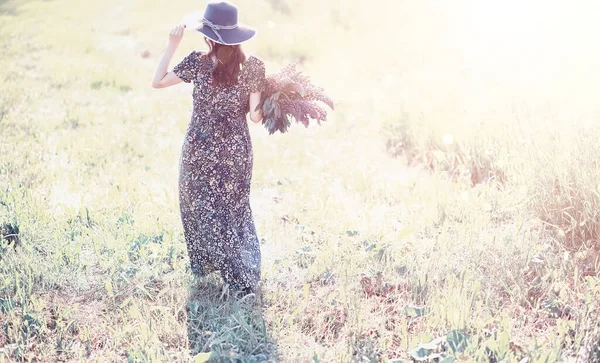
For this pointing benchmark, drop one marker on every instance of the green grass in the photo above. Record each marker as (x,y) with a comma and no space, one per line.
(442,210)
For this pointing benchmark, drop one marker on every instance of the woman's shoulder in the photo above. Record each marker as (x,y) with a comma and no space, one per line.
(198,54)
(253,74)
(201,59)
(253,60)
(253,64)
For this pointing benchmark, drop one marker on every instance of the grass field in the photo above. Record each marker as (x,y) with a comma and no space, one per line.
(449,210)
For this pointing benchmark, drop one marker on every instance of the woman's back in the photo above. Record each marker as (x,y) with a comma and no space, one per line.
(217,99)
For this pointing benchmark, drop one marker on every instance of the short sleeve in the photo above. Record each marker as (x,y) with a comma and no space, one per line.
(187,69)
(254,75)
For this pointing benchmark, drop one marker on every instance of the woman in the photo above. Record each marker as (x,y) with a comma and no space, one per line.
(216,161)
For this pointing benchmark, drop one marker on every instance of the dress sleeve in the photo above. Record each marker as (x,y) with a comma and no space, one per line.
(187,69)
(254,75)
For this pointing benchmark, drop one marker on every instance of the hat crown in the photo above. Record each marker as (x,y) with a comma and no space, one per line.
(221,13)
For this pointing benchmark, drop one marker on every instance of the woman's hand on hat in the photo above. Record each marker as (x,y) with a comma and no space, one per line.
(176,35)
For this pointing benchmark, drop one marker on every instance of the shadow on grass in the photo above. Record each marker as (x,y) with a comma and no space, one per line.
(231,329)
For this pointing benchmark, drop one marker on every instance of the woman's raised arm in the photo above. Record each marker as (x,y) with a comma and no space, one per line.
(162,77)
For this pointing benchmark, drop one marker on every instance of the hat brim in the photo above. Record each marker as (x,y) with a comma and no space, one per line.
(235,36)
(230,36)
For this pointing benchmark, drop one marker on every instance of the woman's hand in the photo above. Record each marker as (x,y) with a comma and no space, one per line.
(176,35)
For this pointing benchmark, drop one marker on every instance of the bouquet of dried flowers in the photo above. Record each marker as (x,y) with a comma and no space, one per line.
(290,95)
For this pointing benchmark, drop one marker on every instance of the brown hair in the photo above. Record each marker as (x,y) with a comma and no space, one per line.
(229,62)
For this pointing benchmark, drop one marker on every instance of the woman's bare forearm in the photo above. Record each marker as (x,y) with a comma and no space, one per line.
(163,66)
(256,114)
(162,69)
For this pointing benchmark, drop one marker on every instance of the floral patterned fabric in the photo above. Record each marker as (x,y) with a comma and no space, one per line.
(215,173)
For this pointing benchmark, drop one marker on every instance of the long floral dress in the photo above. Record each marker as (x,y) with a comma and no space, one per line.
(215,174)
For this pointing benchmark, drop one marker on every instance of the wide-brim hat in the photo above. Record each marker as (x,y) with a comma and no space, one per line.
(220,24)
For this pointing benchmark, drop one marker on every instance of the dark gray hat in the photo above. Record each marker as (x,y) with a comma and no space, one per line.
(220,24)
